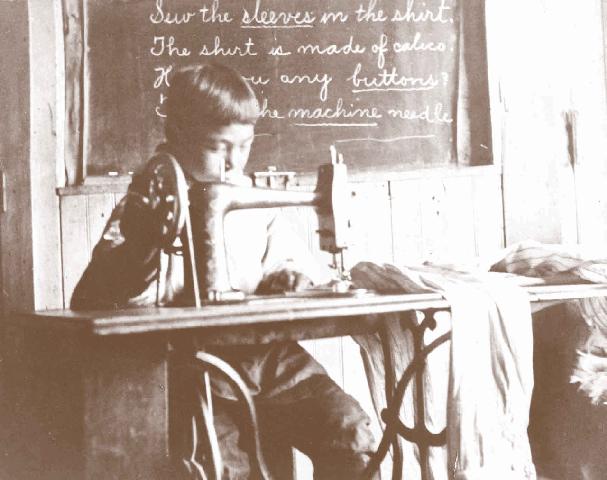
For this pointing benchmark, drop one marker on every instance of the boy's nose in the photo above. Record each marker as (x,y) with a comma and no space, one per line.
(233,160)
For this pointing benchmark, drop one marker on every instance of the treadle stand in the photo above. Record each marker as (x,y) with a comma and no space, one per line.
(395,393)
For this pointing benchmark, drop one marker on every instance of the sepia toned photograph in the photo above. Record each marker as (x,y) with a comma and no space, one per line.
(303,240)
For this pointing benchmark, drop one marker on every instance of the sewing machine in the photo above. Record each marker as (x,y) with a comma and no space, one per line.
(193,216)
(209,202)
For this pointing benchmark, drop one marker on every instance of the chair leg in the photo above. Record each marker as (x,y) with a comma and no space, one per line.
(206,364)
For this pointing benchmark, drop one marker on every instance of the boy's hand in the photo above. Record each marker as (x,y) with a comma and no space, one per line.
(283,281)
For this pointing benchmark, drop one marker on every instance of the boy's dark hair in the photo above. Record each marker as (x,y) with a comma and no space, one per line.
(207,96)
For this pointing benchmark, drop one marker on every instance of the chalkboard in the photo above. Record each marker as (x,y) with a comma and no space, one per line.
(393,84)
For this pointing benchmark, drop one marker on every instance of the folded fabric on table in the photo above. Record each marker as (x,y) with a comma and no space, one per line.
(480,387)
(554,263)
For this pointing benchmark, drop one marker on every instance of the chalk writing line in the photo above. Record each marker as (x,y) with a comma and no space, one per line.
(385,140)
(374,124)
(276,26)
(403,89)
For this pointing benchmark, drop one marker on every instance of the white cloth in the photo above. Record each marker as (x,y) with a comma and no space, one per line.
(481,387)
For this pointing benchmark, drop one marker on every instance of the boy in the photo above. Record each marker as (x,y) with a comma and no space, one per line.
(211,115)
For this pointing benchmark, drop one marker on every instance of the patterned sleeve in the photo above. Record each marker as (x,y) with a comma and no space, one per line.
(121,272)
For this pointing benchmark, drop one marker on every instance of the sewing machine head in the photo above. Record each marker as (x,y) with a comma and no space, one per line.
(209,202)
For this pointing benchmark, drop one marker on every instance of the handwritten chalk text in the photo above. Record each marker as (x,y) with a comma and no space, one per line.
(336,67)
(338,112)
(324,80)
(278,51)
(417,45)
(425,15)
(162,76)
(389,80)
(160,16)
(270,18)
(258,80)
(213,15)
(369,14)
(332,49)
(333,17)
(245,50)
(162,46)
(437,115)
(266,112)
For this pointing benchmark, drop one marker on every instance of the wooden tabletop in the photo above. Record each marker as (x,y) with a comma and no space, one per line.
(268,311)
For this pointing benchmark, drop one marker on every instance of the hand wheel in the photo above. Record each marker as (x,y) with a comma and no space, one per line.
(168,196)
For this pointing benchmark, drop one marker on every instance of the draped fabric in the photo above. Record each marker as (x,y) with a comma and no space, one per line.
(480,387)
(556,264)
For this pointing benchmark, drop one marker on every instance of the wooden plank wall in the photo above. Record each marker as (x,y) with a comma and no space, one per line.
(551,68)
(82,220)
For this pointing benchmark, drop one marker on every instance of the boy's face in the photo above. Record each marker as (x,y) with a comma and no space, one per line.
(227,146)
